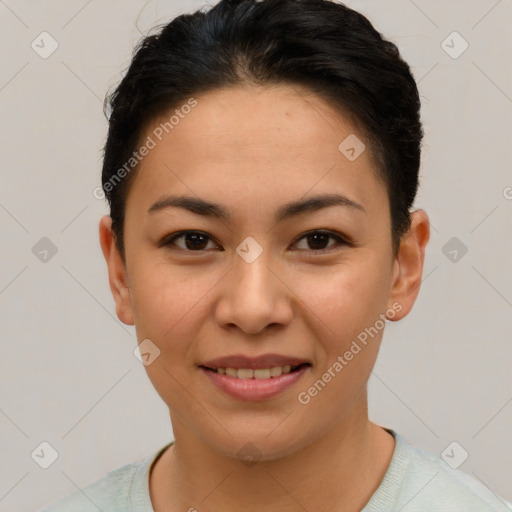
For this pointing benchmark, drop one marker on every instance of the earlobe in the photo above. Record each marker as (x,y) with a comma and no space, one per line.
(408,266)
(117,274)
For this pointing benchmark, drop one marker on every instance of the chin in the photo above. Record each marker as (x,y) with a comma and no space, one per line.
(258,445)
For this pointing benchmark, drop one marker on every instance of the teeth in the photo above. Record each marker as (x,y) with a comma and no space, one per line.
(230,371)
(275,371)
(259,373)
(263,373)
(245,373)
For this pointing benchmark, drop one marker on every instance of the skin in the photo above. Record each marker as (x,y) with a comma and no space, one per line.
(252,149)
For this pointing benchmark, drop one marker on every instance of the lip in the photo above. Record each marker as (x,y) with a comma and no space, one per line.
(261,361)
(254,389)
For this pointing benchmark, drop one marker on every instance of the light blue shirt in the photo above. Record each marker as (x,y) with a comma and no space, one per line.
(415,481)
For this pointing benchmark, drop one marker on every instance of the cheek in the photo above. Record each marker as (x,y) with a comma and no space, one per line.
(345,298)
(168,311)
(171,303)
(349,305)
(162,293)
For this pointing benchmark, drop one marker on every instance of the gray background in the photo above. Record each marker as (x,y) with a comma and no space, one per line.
(68,374)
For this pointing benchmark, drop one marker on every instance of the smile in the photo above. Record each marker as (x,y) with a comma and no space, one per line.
(255,384)
(257,373)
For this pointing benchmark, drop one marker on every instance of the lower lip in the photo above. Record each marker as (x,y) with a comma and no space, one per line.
(254,389)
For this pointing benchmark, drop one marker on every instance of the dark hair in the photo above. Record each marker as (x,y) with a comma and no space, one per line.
(326,46)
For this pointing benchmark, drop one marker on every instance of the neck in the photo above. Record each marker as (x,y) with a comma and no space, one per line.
(344,467)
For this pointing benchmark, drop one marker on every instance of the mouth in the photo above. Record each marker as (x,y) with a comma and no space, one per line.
(270,372)
(254,379)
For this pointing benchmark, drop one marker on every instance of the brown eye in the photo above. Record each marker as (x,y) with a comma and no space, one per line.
(196,241)
(319,240)
(192,241)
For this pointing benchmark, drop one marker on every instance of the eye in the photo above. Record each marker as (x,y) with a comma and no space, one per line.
(196,241)
(318,239)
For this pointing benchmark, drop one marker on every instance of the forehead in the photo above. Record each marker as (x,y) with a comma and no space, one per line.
(277,142)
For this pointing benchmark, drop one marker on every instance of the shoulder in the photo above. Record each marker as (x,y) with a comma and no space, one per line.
(431,484)
(113,493)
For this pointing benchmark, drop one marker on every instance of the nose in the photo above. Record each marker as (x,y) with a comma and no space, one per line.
(254,297)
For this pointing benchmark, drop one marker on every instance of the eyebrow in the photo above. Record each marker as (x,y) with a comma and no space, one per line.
(286,211)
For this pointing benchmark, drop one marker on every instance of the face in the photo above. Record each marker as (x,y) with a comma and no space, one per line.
(306,284)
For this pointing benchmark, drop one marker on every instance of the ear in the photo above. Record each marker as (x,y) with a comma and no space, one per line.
(408,265)
(117,275)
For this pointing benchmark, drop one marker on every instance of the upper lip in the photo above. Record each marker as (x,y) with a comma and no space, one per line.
(262,361)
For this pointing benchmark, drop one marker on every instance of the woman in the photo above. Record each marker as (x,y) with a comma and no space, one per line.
(261,164)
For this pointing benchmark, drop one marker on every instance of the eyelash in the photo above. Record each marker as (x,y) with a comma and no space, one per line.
(170,239)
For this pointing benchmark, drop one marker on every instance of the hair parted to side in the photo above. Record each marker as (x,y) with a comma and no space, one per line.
(325,46)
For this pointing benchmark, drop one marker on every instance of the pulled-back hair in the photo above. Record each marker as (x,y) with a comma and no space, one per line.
(325,46)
